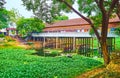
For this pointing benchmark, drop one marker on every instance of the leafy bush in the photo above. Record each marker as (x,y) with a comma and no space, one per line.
(29,43)
(52,54)
(40,52)
(55,53)
(28,47)
(6,45)
(9,39)
(37,46)
(2,35)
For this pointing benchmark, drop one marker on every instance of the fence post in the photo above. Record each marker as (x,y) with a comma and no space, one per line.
(56,41)
(43,42)
(74,47)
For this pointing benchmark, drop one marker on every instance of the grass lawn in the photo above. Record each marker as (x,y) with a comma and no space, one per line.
(20,63)
(117,43)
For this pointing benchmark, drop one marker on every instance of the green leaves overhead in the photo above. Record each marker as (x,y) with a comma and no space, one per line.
(63,6)
(42,9)
(58,18)
(32,4)
(2,2)
(47,10)
(88,7)
(14,15)
(29,25)
(4,18)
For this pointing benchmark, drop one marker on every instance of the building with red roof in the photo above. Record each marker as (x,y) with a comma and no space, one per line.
(71,35)
(10,31)
(77,25)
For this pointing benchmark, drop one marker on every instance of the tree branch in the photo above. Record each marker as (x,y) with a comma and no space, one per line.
(85,18)
(101,6)
(118,10)
(97,2)
(112,6)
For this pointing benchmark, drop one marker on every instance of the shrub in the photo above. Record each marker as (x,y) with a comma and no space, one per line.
(2,35)
(29,45)
(52,54)
(37,46)
(40,51)
(8,38)
(6,45)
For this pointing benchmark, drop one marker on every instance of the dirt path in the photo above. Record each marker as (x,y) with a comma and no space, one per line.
(91,73)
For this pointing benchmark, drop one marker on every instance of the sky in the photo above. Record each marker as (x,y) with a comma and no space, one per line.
(17,4)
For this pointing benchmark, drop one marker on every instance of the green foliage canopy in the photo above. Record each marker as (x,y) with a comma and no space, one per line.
(4,18)
(117,31)
(26,26)
(14,15)
(42,9)
(58,18)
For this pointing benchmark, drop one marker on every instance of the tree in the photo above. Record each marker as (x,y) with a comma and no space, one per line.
(4,18)
(117,31)
(14,15)
(2,2)
(102,9)
(26,26)
(98,13)
(42,9)
(118,9)
(59,18)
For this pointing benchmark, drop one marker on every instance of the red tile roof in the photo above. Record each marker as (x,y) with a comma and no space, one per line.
(68,28)
(116,19)
(71,22)
(77,21)
(10,28)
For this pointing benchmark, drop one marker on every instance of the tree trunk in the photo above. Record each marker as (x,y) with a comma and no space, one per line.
(118,9)
(103,41)
(105,52)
